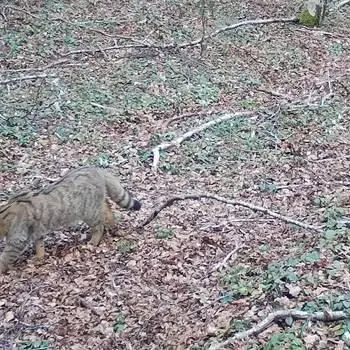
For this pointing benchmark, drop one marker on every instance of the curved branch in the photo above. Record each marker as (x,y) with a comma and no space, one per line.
(176,142)
(325,316)
(253,207)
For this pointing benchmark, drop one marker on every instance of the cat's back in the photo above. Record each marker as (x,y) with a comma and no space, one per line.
(71,198)
(78,180)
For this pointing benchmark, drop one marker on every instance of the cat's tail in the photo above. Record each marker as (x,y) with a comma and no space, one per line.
(120,195)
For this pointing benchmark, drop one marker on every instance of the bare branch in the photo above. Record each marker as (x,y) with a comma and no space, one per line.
(188,134)
(325,316)
(236,25)
(253,207)
(26,77)
(187,44)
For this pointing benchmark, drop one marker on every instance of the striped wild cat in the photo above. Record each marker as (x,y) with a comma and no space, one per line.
(80,195)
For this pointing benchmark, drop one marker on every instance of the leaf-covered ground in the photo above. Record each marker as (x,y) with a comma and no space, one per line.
(90,104)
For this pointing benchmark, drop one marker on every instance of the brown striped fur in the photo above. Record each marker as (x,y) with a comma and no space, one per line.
(81,195)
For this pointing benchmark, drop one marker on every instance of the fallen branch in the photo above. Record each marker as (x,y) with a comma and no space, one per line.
(187,44)
(325,316)
(26,77)
(176,142)
(236,25)
(253,207)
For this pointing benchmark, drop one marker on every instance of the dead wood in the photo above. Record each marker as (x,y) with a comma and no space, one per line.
(177,142)
(253,207)
(325,316)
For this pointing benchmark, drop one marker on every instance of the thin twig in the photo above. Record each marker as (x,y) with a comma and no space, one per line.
(26,77)
(325,316)
(239,24)
(253,207)
(176,142)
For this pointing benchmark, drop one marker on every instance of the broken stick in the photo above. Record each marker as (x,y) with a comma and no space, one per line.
(177,142)
(325,316)
(253,207)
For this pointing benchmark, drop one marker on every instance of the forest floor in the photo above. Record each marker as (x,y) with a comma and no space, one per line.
(84,89)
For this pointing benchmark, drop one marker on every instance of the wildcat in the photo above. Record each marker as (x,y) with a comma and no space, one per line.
(80,195)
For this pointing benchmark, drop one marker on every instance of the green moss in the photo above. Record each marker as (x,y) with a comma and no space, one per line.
(306,19)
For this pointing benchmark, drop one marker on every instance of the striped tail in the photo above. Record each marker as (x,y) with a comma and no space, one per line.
(120,195)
